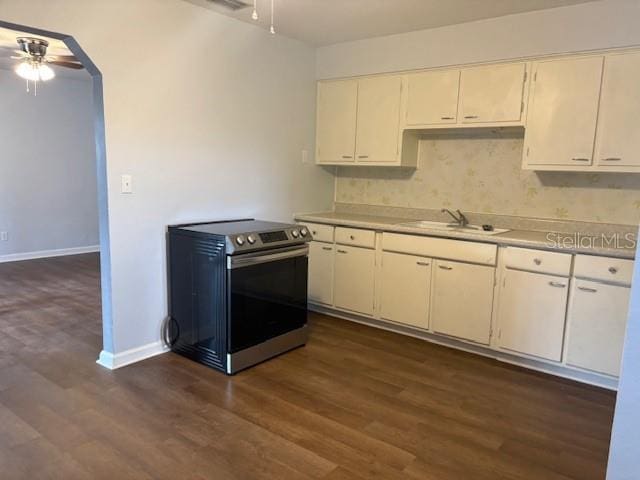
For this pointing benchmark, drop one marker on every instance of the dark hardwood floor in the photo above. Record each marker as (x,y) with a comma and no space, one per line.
(355,403)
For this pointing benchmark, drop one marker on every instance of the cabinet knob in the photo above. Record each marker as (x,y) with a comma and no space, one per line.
(537,261)
(445,267)
(341,251)
(423,264)
(352,237)
(613,270)
(313,232)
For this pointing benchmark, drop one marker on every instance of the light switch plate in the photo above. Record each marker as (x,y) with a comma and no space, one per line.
(127,184)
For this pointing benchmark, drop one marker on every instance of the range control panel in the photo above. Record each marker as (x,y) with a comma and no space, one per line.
(257,241)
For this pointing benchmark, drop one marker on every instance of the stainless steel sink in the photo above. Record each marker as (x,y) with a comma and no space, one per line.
(452,227)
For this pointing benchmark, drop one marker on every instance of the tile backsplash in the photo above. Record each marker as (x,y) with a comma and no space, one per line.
(480,171)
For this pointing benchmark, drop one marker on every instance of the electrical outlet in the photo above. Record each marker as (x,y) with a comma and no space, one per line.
(4,236)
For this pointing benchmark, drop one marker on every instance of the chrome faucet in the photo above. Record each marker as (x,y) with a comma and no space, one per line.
(460,219)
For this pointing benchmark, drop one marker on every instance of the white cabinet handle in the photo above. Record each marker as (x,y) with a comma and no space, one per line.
(347,156)
(587,289)
(448,118)
(557,284)
(611,159)
(341,251)
(363,156)
(444,267)
(581,159)
(613,270)
(327,248)
(423,264)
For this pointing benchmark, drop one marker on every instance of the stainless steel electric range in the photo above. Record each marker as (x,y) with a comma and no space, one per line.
(237,291)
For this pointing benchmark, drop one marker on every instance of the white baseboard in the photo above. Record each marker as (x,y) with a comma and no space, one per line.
(60,252)
(118,360)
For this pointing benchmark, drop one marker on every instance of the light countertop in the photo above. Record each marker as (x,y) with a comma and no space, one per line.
(605,244)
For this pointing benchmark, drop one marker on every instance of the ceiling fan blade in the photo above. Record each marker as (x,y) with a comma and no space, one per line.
(75,66)
(62,58)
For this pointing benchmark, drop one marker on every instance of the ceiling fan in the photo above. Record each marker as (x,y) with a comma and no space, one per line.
(34,64)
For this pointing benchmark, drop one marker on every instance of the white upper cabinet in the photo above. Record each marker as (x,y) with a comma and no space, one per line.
(492,94)
(562,114)
(433,97)
(462,300)
(378,119)
(336,118)
(406,284)
(618,135)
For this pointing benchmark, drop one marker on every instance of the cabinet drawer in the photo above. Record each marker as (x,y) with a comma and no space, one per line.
(538,261)
(319,232)
(604,268)
(356,237)
(472,252)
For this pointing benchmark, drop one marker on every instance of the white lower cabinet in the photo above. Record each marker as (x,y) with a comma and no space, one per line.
(462,300)
(321,272)
(354,278)
(597,322)
(405,288)
(532,312)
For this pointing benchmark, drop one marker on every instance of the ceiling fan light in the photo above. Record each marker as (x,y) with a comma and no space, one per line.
(35,72)
(45,72)
(27,71)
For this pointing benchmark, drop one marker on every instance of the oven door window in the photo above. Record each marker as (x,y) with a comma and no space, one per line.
(266,300)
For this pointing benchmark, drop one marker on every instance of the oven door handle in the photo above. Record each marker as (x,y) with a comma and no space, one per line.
(251,259)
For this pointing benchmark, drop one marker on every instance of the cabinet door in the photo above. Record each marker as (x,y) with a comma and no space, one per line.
(378,119)
(433,97)
(462,300)
(597,324)
(618,137)
(531,315)
(354,272)
(406,282)
(321,272)
(492,94)
(336,129)
(563,109)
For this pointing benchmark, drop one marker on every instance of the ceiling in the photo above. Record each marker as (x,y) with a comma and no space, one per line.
(324,22)
(56,47)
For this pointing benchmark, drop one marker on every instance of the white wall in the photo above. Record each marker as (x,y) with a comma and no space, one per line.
(589,26)
(48,196)
(207,113)
(625,442)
